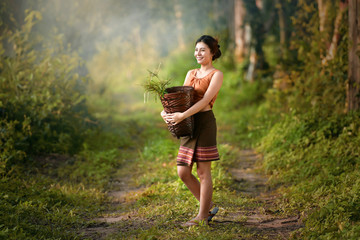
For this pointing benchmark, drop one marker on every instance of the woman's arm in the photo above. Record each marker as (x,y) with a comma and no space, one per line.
(163,114)
(187,77)
(210,93)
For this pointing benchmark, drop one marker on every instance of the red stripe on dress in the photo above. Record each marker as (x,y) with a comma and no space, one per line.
(185,155)
(183,161)
(207,158)
(206,149)
(209,155)
(206,153)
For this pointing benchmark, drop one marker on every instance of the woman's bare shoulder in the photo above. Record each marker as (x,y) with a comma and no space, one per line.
(192,71)
(189,73)
(218,74)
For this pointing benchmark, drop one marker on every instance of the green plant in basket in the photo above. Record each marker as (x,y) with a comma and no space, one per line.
(155,85)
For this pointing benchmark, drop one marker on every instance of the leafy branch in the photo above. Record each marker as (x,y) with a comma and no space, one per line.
(155,85)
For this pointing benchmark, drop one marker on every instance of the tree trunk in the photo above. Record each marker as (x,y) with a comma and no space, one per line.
(282,26)
(239,15)
(323,12)
(353,86)
(258,23)
(259,4)
(179,24)
(331,52)
(323,17)
(250,74)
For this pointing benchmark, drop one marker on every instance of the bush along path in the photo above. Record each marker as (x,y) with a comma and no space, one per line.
(148,201)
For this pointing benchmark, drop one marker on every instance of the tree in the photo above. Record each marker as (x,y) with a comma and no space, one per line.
(260,15)
(282,26)
(353,86)
(331,51)
(179,24)
(239,30)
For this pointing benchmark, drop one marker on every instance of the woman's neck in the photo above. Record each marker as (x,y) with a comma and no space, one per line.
(207,67)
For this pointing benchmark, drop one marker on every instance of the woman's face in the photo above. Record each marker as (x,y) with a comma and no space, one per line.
(202,53)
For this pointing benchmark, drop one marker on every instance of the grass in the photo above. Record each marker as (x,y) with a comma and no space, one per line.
(56,196)
(164,206)
(318,158)
(36,207)
(157,211)
(314,159)
(244,115)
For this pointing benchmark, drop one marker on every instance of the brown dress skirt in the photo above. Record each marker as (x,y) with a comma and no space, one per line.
(202,146)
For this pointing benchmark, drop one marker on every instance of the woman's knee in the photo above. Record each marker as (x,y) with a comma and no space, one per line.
(184,173)
(204,171)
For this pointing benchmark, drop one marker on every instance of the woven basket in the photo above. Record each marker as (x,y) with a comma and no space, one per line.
(179,99)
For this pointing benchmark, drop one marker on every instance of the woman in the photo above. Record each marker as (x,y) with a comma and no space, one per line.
(202,147)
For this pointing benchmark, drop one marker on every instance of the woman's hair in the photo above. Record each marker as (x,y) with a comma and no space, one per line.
(212,44)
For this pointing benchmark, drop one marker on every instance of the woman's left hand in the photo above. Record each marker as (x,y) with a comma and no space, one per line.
(176,117)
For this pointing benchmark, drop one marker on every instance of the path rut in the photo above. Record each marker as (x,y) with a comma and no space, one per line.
(264,221)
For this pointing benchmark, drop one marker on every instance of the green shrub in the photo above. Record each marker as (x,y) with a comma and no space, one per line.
(9,140)
(245,110)
(41,101)
(318,158)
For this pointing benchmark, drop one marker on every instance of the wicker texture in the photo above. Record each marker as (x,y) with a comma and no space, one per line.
(179,99)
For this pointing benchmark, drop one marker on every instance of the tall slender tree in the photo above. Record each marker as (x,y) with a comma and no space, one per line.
(260,16)
(282,26)
(333,44)
(179,24)
(239,30)
(353,87)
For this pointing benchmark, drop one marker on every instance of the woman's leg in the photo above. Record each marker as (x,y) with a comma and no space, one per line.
(206,188)
(190,180)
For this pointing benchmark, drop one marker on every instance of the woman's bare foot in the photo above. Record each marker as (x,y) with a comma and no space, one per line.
(196,222)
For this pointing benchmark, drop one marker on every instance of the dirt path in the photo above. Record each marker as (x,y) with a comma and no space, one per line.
(121,193)
(264,222)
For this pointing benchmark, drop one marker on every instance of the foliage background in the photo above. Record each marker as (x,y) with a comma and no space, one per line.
(72,112)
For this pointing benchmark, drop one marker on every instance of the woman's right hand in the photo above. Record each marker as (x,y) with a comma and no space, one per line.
(164,116)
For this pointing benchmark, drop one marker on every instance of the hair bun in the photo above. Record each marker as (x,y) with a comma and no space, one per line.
(218,46)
